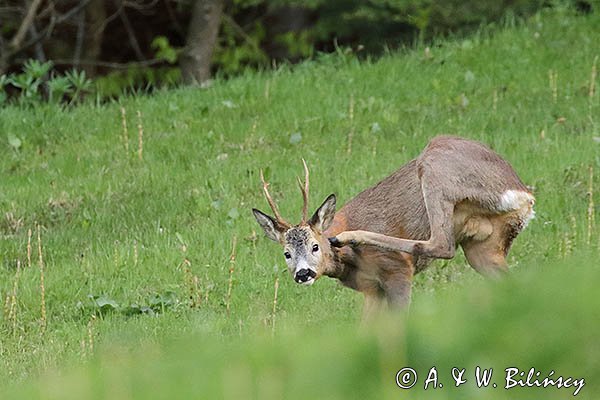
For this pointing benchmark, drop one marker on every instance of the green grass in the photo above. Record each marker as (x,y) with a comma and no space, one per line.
(192,193)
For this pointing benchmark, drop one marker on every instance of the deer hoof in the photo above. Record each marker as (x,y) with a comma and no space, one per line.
(417,249)
(335,242)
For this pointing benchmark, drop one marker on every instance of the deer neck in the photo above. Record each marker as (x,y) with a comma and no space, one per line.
(338,265)
(335,267)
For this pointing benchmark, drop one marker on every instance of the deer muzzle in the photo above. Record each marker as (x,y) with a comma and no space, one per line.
(305,275)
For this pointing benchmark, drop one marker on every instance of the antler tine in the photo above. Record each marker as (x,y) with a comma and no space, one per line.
(304,191)
(270,199)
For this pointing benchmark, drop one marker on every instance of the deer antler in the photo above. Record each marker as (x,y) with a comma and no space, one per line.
(271,202)
(304,191)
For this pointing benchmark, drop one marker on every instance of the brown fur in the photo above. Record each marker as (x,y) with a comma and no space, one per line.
(454,193)
(463,182)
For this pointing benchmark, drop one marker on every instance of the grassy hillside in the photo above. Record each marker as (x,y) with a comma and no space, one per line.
(140,249)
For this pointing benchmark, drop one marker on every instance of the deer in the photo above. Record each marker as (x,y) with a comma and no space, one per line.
(457,192)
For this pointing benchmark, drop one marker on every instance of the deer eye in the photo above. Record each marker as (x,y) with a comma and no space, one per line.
(315,248)
(287,255)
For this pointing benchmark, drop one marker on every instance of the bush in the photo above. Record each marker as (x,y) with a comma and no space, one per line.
(38,83)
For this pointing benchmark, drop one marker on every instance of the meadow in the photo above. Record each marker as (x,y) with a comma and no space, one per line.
(131,265)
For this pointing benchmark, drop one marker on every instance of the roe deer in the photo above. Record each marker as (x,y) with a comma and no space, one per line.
(457,192)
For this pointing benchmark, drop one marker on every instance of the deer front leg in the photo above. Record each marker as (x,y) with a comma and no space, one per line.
(397,287)
(372,306)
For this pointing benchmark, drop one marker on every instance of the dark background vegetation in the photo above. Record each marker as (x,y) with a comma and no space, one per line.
(145,44)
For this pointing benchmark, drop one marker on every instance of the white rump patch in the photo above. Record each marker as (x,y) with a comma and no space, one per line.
(513,200)
(519,201)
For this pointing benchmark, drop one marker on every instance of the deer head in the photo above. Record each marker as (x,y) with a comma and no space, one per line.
(307,252)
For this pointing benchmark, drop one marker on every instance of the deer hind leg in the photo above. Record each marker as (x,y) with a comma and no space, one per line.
(440,211)
(441,243)
(488,256)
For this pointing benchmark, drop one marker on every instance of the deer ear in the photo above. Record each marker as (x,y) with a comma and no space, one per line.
(272,228)
(323,217)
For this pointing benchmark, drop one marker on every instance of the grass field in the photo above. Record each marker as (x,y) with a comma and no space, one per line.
(157,281)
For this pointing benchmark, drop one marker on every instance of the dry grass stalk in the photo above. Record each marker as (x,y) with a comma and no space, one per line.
(193,284)
(590,210)
(568,241)
(253,239)
(125,134)
(231,270)
(570,238)
(43,321)
(267,89)
(553,77)
(274,306)
(195,289)
(90,332)
(206,289)
(12,309)
(592,89)
(351,118)
(374,151)
(140,136)
(566,245)
(135,253)
(29,248)
(6,304)
(254,128)
(116,258)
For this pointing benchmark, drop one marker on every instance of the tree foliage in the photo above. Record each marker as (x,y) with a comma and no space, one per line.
(141,43)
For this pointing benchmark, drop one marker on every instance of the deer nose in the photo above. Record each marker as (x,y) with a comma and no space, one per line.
(304,275)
